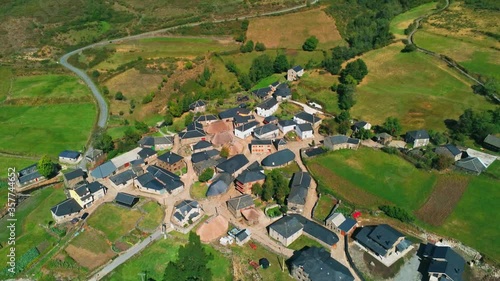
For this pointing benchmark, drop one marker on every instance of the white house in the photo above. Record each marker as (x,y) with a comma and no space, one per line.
(267,108)
(361,125)
(417,138)
(186,212)
(286,126)
(245,130)
(304,117)
(295,73)
(268,131)
(69,156)
(304,131)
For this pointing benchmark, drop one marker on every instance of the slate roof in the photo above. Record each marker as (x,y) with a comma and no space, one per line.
(201,145)
(449,149)
(255,166)
(297,68)
(261,142)
(268,128)
(220,184)
(279,142)
(205,118)
(492,140)
(445,260)
(193,130)
(340,139)
(70,154)
(240,119)
(170,158)
(250,176)
(204,155)
(471,164)
(66,207)
(147,180)
(183,208)
(319,265)
(311,152)
(198,103)
(305,127)
(152,141)
(262,92)
(310,118)
(282,91)
(360,124)
(268,104)
(103,170)
(233,164)
(169,180)
(383,136)
(146,152)
(205,164)
(286,123)
(279,158)
(286,226)
(347,225)
(74,174)
(270,119)
(247,126)
(92,154)
(242,235)
(95,187)
(29,173)
(317,231)
(378,238)
(418,134)
(232,112)
(299,187)
(126,199)
(123,177)
(240,202)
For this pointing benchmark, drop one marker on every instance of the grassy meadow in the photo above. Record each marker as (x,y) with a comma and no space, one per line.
(114,221)
(315,86)
(400,22)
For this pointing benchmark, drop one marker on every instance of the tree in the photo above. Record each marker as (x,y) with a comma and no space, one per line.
(119,96)
(442,162)
(104,142)
(45,166)
(260,47)
(247,47)
(397,213)
(268,189)
(224,152)
(245,81)
(310,44)
(437,138)
(206,175)
(188,119)
(357,69)
(169,119)
(262,67)
(95,74)
(343,116)
(280,186)
(141,127)
(346,96)
(392,126)
(363,134)
(409,48)
(257,189)
(191,264)
(281,63)
(343,128)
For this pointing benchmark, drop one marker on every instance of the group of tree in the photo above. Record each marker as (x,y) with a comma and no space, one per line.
(476,124)
(275,187)
(247,47)
(346,95)
(262,67)
(354,70)
(397,213)
(46,167)
(241,36)
(392,126)
(310,44)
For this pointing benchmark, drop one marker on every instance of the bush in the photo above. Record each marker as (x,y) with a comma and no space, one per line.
(397,213)
(149,98)
(409,48)
(260,47)
(206,175)
(119,96)
(247,47)
(310,44)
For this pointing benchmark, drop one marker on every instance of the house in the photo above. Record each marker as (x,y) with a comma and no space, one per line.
(417,138)
(471,165)
(267,107)
(382,240)
(282,92)
(29,175)
(204,155)
(361,125)
(449,150)
(278,159)
(239,120)
(237,204)
(159,181)
(299,187)
(156,143)
(271,119)
(171,162)
(383,138)
(304,117)
(87,193)
(193,133)
(201,166)
(186,212)
(304,131)
(245,130)
(104,170)
(122,179)
(294,73)
(262,93)
(70,157)
(201,146)
(126,199)
(148,155)
(198,106)
(94,156)
(340,224)
(242,236)
(261,146)
(268,131)
(286,126)
(246,179)
(279,144)
(341,142)
(233,165)
(65,210)
(492,143)
(316,264)
(123,161)
(286,230)
(74,177)
(443,263)
(220,184)
(230,114)
(206,119)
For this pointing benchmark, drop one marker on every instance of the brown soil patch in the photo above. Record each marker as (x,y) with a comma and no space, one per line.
(292,30)
(218,127)
(88,259)
(213,229)
(222,138)
(444,198)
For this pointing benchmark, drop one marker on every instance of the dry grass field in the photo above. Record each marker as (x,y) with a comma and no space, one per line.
(291,30)
(90,249)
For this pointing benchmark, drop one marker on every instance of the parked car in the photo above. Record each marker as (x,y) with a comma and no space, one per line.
(85,215)
(75,220)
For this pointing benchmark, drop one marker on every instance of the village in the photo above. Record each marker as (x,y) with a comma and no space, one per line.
(232,153)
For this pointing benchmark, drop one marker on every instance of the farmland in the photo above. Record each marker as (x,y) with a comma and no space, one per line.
(114,221)
(400,22)
(90,249)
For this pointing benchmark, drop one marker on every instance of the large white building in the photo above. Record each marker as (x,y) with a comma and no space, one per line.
(267,108)
(245,130)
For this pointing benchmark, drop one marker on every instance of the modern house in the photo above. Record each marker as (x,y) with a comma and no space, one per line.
(201,146)
(282,92)
(304,117)
(233,165)
(417,138)
(267,107)
(65,210)
(193,133)
(72,178)
(492,143)
(268,131)
(123,179)
(171,162)
(246,179)
(70,157)
(299,187)
(159,181)
(278,159)
(471,165)
(198,106)
(126,199)
(206,119)
(443,263)
(220,185)
(148,155)
(239,120)
(294,73)
(449,150)
(361,125)
(286,230)
(316,264)
(382,240)
(286,126)
(340,224)
(156,143)
(245,130)
(29,175)
(341,142)
(304,131)
(186,213)
(261,146)
(87,193)
(237,204)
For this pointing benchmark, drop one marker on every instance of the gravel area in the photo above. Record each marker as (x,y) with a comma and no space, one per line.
(409,271)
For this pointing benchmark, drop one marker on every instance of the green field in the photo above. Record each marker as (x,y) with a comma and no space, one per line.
(418,89)
(265,82)
(50,88)
(5,82)
(9,162)
(314,86)
(323,207)
(400,22)
(114,221)
(304,241)
(153,217)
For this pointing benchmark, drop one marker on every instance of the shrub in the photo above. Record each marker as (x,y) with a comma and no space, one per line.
(206,175)
(119,96)
(310,44)
(260,47)
(397,213)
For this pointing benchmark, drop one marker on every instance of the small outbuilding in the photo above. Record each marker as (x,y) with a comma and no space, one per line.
(126,199)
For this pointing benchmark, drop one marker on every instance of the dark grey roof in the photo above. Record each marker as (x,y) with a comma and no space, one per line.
(279,158)
(232,112)
(299,187)
(220,185)
(201,166)
(471,164)
(319,265)
(286,123)
(305,127)
(270,119)
(170,180)
(317,231)
(250,176)
(126,199)
(262,92)
(193,130)
(205,118)
(378,238)
(29,173)
(279,142)
(92,154)
(445,260)
(340,139)
(247,126)
(360,124)
(151,141)
(147,180)
(242,235)
(448,149)
(204,155)
(418,134)
(307,117)
(275,84)
(170,158)
(183,208)
(198,103)
(74,174)
(287,226)
(492,140)
(255,166)
(66,207)
(282,91)
(240,119)
(383,136)
(297,68)
(261,142)
(240,202)
(311,152)
(103,170)
(347,224)
(146,152)
(123,177)
(201,145)
(233,164)
(95,187)
(268,104)
(268,128)
(82,190)
(70,154)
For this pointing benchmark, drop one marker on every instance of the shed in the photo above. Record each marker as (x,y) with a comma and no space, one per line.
(126,199)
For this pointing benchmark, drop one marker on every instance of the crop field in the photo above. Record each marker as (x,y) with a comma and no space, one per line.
(291,30)
(114,221)
(378,175)
(392,88)
(400,22)
(90,249)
